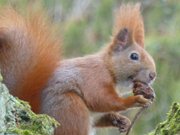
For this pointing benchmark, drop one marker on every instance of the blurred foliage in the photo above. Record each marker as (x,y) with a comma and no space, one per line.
(171,126)
(86,26)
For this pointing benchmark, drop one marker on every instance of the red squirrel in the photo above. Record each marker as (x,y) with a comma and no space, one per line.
(71,89)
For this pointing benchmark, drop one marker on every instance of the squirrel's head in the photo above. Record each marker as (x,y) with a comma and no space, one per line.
(129,61)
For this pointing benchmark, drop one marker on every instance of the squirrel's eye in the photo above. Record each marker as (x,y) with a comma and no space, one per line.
(134,56)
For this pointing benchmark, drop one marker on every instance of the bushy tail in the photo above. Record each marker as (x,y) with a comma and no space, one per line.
(29,53)
(129,16)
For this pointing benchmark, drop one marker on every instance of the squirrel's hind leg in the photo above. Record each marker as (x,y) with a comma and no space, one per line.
(71,112)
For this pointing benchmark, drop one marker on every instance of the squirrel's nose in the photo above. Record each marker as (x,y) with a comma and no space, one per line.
(152,75)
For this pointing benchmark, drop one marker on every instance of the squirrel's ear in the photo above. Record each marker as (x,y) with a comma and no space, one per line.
(4,41)
(121,40)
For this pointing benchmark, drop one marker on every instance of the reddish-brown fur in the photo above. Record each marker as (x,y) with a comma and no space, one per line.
(70,89)
(129,16)
(41,54)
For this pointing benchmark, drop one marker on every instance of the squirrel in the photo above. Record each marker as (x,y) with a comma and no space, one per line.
(70,90)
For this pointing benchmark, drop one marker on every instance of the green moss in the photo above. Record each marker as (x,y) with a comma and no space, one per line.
(172,125)
(16,117)
(27,122)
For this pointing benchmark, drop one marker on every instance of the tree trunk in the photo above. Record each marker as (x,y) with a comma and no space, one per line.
(16,117)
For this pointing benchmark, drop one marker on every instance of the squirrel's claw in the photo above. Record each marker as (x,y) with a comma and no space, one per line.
(142,102)
(122,123)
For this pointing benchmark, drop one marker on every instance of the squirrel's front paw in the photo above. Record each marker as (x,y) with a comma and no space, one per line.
(121,122)
(141,101)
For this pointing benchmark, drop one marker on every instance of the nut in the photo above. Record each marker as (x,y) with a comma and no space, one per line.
(143,89)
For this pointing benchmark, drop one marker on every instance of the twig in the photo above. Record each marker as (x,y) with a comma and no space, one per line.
(135,118)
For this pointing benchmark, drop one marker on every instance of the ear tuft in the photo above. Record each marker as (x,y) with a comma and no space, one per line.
(129,16)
